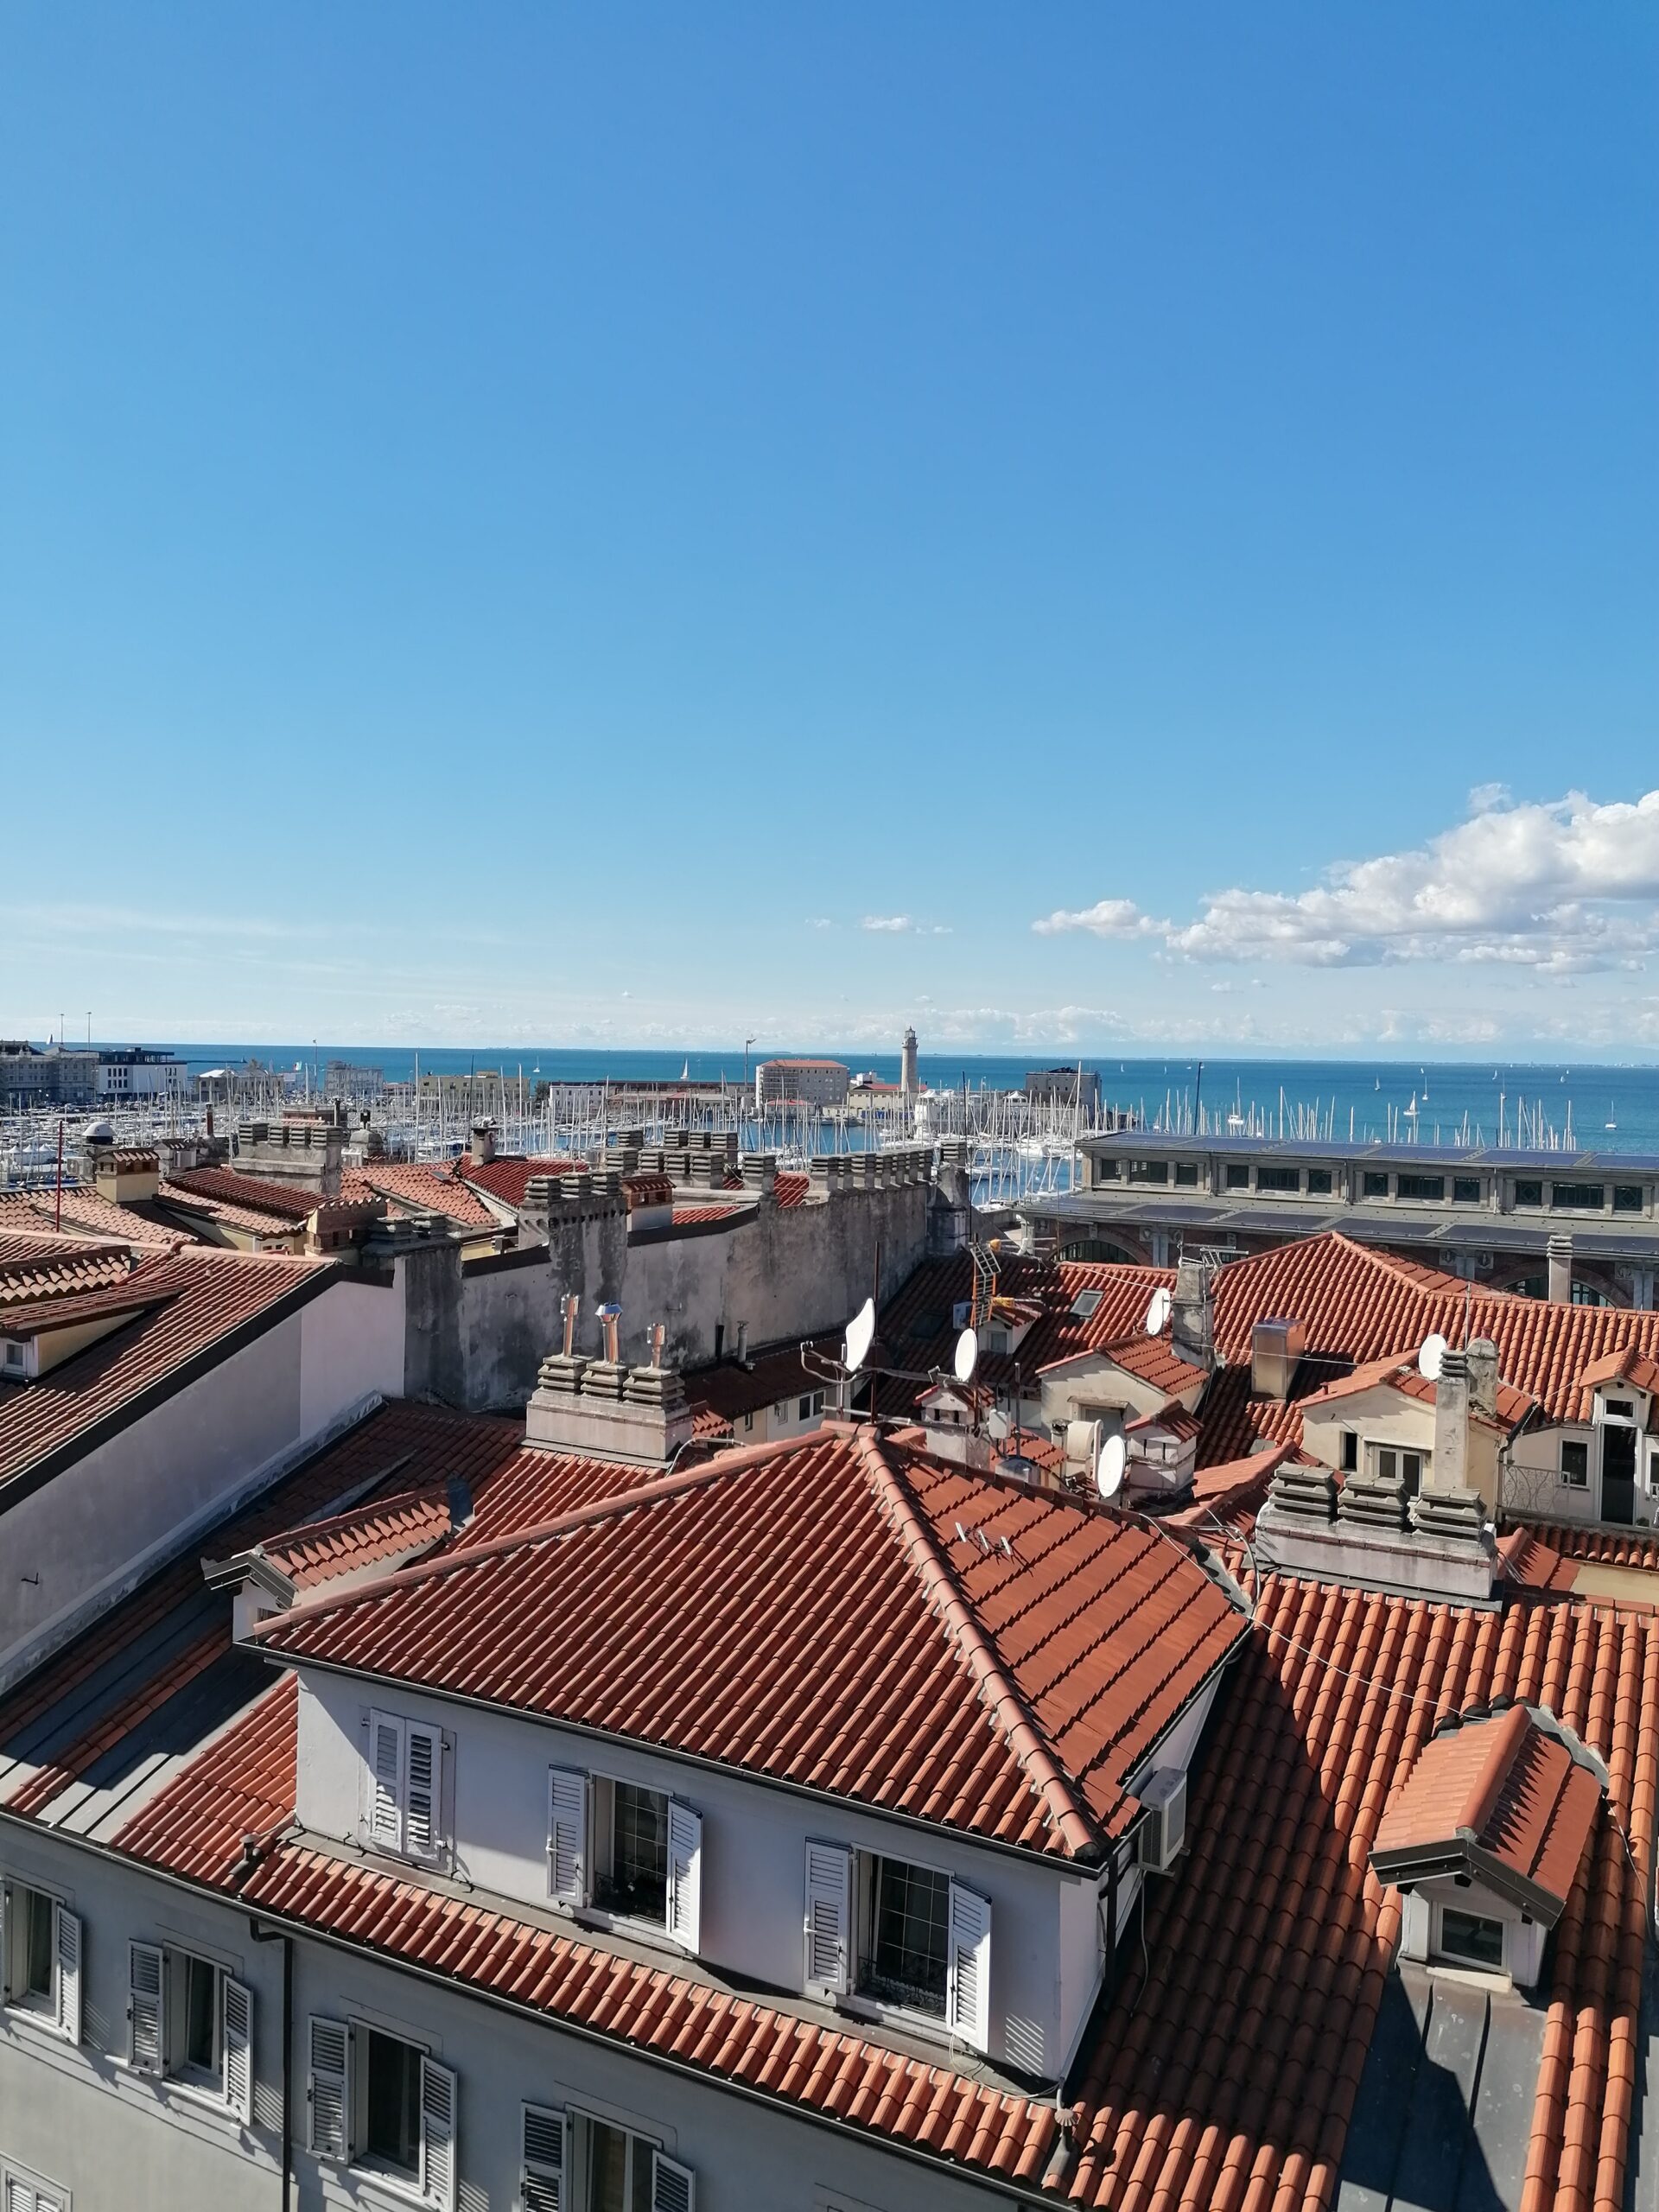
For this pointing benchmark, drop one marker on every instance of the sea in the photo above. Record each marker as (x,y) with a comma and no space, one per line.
(1589,1106)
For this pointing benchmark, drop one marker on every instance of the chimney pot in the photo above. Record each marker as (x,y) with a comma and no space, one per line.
(1558,1256)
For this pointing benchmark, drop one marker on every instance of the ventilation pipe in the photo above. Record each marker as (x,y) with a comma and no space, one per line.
(1560,1255)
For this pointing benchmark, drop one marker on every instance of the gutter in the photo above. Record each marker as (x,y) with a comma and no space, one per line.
(285,1925)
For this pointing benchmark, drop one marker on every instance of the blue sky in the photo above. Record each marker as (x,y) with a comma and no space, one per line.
(537,523)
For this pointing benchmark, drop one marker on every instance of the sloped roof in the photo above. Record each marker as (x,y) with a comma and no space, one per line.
(225,1186)
(1085,1640)
(31,1270)
(1154,1360)
(425,1185)
(1500,1798)
(214,1298)
(83,1211)
(1401,1373)
(507,1177)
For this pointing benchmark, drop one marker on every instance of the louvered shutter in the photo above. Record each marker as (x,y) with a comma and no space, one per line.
(386,1781)
(65,1946)
(567,1836)
(438,2134)
(967,1993)
(684,1874)
(541,2185)
(673,2187)
(328,2089)
(423,1753)
(236,2046)
(144,1972)
(828,1917)
(20,2195)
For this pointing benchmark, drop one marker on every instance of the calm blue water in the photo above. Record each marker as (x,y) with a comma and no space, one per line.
(1344,1093)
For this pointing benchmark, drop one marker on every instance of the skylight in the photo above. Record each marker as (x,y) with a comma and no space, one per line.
(1084,1304)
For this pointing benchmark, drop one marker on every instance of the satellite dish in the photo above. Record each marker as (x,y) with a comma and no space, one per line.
(1158,1313)
(1430,1358)
(1109,1469)
(967,1357)
(861,1335)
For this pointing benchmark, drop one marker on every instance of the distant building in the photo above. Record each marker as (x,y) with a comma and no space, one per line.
(801,1082)
(1060,1086)
(31,1076)
(134,1071)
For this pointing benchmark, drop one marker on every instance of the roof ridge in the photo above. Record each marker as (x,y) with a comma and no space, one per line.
(654,1491)
(1019,1724)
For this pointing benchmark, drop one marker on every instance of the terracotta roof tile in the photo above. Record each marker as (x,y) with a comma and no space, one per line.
(507,1177)
(83,1212)
(423,1185)
(1099,1627)
(286,1202)
(31,1270)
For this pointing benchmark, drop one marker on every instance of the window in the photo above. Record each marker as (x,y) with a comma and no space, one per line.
(1105,1171)
(40,1957)
(1278,1178)
(1187,1174)
(378,2101)
(1471,1936)
(14,1355)
(575,2162)
(1421,1186)
(1319,1182)
(1374,1184)
(812,1405)
(1528,1193)
(1580,1197)
(1575,1465)
(1396,1467)
(1149,1171)
(624,1849)
(402,1810)
(1238,1179)
(189,2019)
(1627,1197)
(748,1423)
(27,2192)
(909,1916)
(1084,1304)
(1465,1190)
(1349,1452)
(1618,1409)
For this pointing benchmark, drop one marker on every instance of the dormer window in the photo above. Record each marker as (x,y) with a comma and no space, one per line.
(1469,1938)
(1618,1409)
(625,1851)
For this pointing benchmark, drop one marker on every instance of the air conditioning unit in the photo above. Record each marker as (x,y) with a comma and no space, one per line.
(1163,1797)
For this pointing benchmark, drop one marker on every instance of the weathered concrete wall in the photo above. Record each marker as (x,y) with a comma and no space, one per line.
(786,1271)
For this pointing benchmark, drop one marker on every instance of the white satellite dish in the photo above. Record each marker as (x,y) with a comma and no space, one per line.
(1108,1470)
(967,1357)
(1431,1358)
(1158,1313)
(861,1335)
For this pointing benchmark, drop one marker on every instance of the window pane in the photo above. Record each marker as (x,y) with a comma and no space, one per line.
(1575,1463)
(1374,1184)
(394,2102)
(1467,1936)
(1278,1178)
(1187,1174)
(608,2167)
(1627,1197)
(1319,1182)
(1584,1197)
(1422,1186)
(911,1908)
(639,1878)
(37,1944)
(201,2013)
(1238,1179)
(1465,1189)
(1528,1193)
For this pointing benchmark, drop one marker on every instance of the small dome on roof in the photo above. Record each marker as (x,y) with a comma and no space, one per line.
(99,1132)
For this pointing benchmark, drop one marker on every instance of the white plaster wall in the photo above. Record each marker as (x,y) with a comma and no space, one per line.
(1534,1490)
(77,2114)
(351,1343)
(754,1841)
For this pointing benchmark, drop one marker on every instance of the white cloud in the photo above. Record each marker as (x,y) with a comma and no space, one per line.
(1119,918)
(1562,888)
(1486,797)
(894,925)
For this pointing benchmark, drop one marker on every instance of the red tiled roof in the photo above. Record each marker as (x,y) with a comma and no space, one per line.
(732,1388)
(1155,1361)
(245,1786)
(507,1177)
(684,1217)
(357,1538)
(426,1185)
(1531,1564)
(791,1190)
(36,1317)
(48,1267)
(211,1295)
(1502,1787)
(1085,1639)
(1401,1373)
(1626,1364)
(225,1186)
(257,1220)
(1604,1547)
(83,1211)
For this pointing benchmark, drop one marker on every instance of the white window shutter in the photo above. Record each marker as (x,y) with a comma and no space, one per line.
(423,1778)
(65,1946)
(236,2046)
(386,1781)
(144,1972)
(20,2195)
(828,1919)
(546,2162)
(684,1874)
(328,2089)
(567,1836)
(438,2135)
(673,2187)
(968,1995)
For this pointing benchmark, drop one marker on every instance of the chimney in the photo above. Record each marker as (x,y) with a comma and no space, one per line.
(1192,1315)
(481,1151)
(1481,1358)
(602,1410)
(1452,1393)
(1560,1255)
(1275,1349)
(742,1344)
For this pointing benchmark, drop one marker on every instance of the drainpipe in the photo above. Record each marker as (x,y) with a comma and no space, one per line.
(279,1935)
